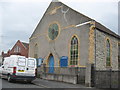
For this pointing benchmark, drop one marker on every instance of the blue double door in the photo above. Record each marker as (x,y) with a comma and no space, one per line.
(51,64)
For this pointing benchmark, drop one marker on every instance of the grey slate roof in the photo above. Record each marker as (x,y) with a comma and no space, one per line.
(25,44)
(106,30)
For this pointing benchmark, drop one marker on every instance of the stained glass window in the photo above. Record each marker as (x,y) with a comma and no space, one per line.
(108,61)
(53,31)
(74,51)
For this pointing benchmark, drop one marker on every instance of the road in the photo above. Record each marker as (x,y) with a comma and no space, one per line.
(6,84)
(43,84)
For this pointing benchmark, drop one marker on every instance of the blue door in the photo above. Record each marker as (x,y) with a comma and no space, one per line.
(51,64)
(64,61)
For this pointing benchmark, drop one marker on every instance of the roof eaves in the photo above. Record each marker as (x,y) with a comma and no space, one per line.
(106,30)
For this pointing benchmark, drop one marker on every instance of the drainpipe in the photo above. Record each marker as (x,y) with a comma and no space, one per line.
(95,60)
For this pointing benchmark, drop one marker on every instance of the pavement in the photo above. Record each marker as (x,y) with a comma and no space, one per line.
(56,84)
(52,85)
(40,84)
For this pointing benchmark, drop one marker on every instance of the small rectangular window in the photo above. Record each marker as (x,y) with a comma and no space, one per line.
(31,63)
(17,49)
(21,62)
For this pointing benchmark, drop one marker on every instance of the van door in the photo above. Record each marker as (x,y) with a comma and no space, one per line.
(31,66)
(21,66)
(6,64)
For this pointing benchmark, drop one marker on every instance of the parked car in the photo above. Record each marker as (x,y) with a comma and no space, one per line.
(19,68)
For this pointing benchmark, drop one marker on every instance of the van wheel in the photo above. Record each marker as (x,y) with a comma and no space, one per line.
(9,78)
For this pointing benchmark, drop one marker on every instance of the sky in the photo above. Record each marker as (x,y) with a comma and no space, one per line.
(18,18)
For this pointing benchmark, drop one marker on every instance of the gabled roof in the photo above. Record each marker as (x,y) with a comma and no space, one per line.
(97,24)
(25,45)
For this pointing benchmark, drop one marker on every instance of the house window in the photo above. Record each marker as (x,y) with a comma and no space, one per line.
(17,49)
(74,51)
(108,59)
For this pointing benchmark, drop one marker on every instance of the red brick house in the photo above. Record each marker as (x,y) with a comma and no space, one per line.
(20,48)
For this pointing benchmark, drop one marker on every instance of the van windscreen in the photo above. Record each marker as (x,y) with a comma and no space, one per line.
(31,62)
(21,61)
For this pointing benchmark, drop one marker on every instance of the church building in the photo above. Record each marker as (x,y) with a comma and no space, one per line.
(75,48)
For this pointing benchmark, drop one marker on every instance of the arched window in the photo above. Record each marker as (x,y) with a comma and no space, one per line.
(74,51)
(108,59)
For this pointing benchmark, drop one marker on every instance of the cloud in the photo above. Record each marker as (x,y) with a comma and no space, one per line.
(104,12)
(9,40)
(19,21)
(20,17)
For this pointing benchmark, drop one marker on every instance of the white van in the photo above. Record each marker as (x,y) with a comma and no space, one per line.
(1,69)
(20,68)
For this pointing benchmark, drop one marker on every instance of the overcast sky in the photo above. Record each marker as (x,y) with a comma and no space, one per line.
(18,18)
